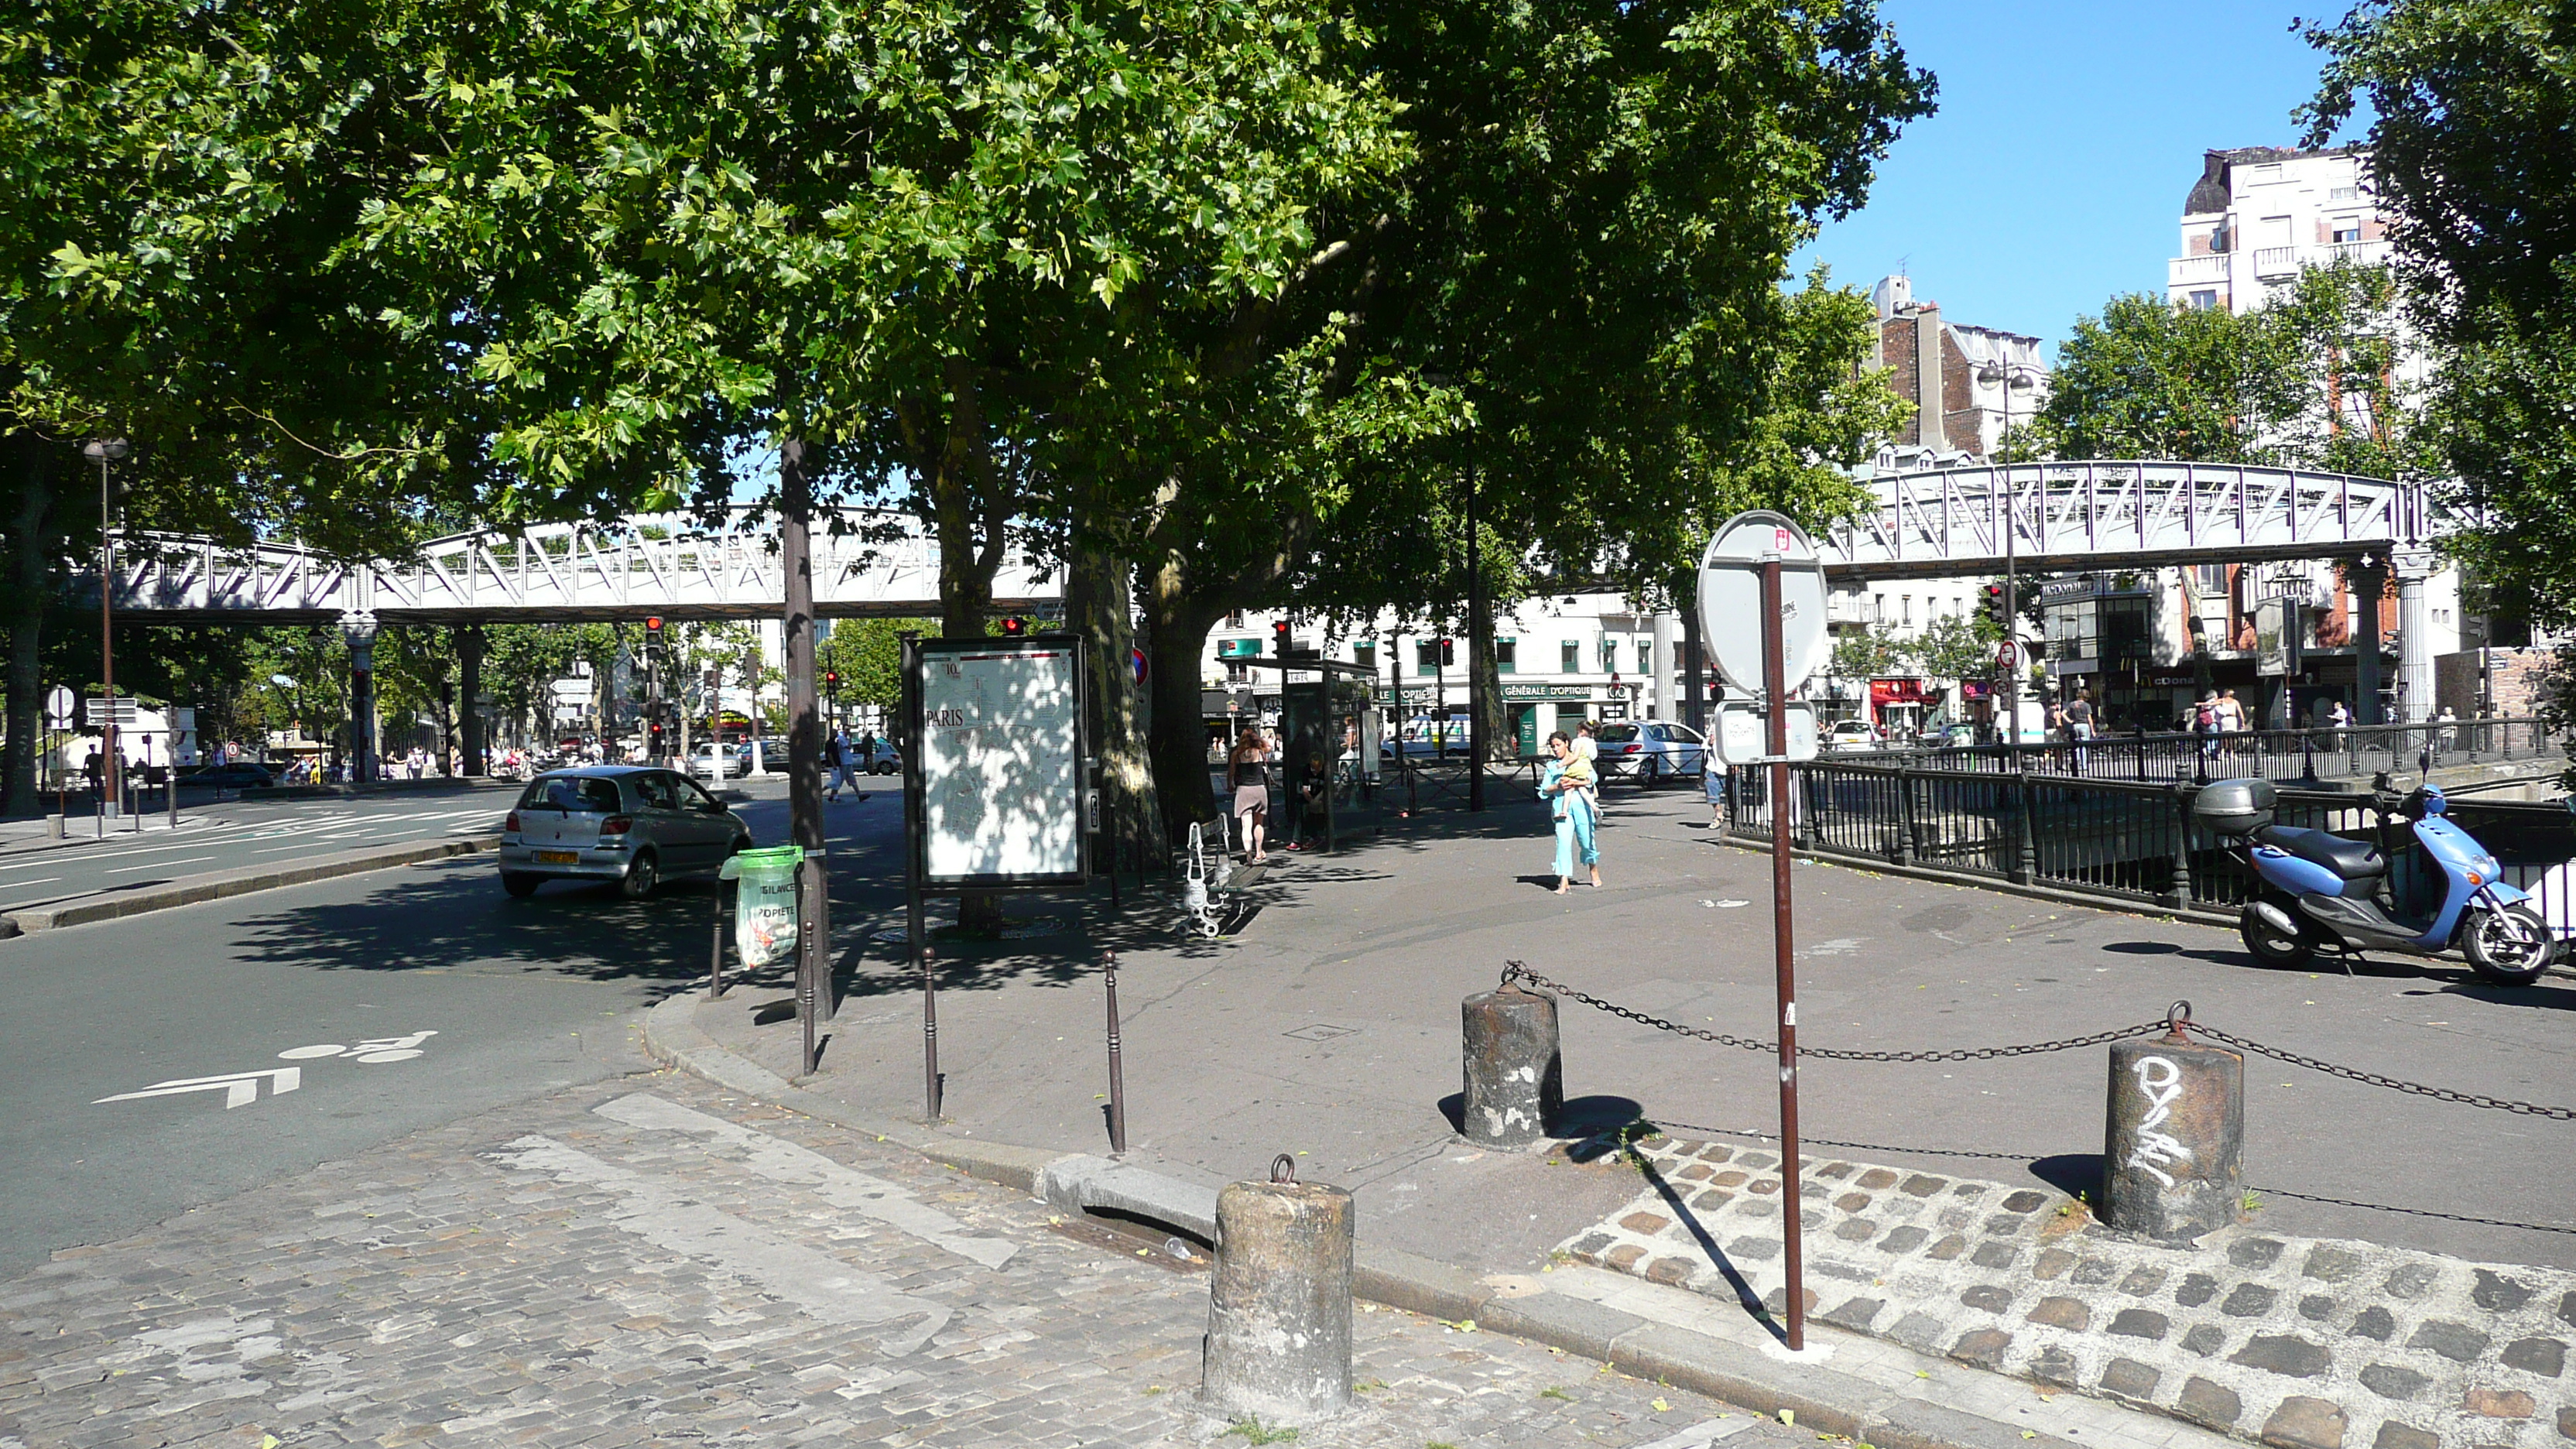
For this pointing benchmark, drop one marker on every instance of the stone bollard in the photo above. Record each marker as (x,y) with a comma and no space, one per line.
(1279,1301)
(2173,1152)
(1515,1077)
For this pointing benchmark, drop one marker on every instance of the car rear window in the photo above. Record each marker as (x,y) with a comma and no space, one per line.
(1616,734)
(571,792)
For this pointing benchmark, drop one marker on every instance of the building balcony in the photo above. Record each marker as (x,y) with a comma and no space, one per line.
(2183,271)
(2271,263)
(2276,261)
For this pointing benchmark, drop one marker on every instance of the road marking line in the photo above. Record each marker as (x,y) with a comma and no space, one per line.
(663,1214)
(159,864)
(835,1183)
(240,1089)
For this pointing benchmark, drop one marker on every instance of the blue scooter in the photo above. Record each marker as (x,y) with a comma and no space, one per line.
(2320,891)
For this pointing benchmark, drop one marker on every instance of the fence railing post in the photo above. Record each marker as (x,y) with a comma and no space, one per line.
(2177,893)
(2016,832)
(1909,844)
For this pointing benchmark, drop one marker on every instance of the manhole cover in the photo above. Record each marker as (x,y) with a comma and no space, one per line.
(1320,1031)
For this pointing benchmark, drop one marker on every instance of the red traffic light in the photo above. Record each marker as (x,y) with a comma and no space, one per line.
(1014,627)
(654,623)
(830,677)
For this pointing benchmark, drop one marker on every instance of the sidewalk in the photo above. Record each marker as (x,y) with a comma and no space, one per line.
(1328,1029)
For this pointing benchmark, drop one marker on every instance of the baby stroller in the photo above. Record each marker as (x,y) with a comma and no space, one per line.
(1212,885)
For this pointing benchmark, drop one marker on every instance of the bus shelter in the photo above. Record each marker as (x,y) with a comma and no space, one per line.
(1328,750)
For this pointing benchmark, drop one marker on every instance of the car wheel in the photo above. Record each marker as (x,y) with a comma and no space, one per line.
(520,886)
(640,878)
(1650,773)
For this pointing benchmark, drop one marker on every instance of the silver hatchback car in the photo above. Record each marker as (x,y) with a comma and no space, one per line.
(633,824)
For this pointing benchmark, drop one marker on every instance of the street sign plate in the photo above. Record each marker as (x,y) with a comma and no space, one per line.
(119,710)
(1744,733)
(1730,598)
(2005,655)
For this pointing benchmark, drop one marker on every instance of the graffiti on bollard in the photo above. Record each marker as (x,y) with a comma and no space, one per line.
(2173,1151)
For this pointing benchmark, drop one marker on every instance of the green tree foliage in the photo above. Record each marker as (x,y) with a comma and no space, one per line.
(868,655)
(2150,380)
(2473,102)
(2310,379)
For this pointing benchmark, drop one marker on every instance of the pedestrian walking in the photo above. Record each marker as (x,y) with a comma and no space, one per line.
(2204,724)
(836,764)
(2079,724)
(1712,781)
(1570,787)
(1247,774)
(868,751)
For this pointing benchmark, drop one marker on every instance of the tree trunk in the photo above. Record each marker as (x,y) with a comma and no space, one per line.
(1176,630)
(969,507)
(1099,601)
(29,587)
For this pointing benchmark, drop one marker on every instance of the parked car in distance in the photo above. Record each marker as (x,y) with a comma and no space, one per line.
(632,824)
(1956,736)
(720,762)
(1650,752)
(888,761)
(233,775)
(1850,734)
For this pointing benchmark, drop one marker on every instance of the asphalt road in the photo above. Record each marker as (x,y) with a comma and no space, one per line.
(239,833)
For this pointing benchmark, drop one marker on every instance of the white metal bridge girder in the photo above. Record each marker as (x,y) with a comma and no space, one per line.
(876,563)
(2119,514)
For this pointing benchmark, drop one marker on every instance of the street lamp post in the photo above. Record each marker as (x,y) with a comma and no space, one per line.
(358,630)
(2009,376)
(111,768)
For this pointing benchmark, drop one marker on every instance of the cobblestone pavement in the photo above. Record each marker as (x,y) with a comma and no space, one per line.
(653,1261)
(2308,1343)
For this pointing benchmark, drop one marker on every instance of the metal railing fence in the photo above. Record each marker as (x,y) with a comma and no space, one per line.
(2283,756)
(2127,841)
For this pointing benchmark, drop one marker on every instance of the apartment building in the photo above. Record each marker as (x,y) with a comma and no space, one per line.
(1559,660)
(2259,214)
(1966,382)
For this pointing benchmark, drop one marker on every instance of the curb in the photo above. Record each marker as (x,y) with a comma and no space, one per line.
(1832,1402)
(216,885)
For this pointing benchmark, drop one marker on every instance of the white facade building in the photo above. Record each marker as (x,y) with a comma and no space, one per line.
(2259,214)
(1559,660)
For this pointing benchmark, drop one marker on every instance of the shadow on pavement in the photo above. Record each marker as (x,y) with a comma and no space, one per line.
(464,921)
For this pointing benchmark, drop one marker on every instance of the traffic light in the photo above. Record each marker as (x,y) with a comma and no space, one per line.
(1279,638)
(1015,627)
(1448,653)
(1994,606)
(831,681)
(652,636)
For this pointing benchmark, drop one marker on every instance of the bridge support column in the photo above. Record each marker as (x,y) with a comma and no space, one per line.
(2369,582)
(2414,635)
(469,665)
(358,628)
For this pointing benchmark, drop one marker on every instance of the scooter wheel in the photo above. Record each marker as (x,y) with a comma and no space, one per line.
(2510,947)
(2269,946)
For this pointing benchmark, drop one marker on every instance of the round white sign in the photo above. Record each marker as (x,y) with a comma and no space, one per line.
(1731,617)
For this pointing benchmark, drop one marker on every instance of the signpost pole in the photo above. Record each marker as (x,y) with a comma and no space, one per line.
(1775,686)
(916,930)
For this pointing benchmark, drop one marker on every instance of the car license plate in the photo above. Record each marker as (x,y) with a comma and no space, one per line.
(558,857)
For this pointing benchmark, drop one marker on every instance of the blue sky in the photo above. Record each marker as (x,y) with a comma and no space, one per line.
(2053,174)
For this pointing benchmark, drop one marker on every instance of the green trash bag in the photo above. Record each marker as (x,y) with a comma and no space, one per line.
(764,909)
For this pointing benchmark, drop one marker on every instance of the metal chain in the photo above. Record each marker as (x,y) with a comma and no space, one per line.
(2394,1084)
(2179,1018)
(1516,971)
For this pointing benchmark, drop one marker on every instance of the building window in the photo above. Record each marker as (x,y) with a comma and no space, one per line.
(2347,229)
(1364,653)
(1426,654)
(1609,655)
(1907,601)
(1877,609)
(1237,672)
(1507,653)
(2206,301)
(1234,620)
(1569,658)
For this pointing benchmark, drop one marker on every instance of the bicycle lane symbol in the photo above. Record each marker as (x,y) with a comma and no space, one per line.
(240,1089)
